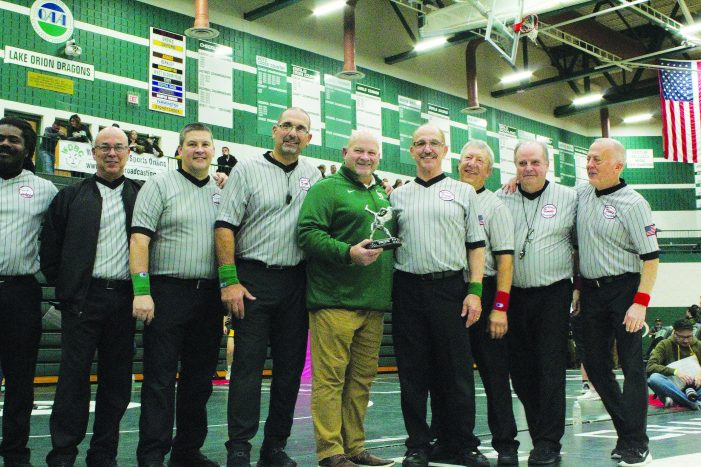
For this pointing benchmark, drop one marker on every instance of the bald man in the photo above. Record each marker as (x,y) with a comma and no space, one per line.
(433,306)
(618,260)
(349,288)
(85,252)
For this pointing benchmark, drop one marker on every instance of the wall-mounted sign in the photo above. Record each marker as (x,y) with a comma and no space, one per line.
(167,72)
(52,20)
(50,83)
(133,99)
(38,61)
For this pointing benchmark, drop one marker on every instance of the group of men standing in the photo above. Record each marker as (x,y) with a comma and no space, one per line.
(292,252)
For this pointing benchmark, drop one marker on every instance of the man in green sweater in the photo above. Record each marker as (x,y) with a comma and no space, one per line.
(674,386)
(349,288)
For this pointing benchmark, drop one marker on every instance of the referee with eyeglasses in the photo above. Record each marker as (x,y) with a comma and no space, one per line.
(618,261)
(85,252)
(544,216)
(433,306)
(262,280)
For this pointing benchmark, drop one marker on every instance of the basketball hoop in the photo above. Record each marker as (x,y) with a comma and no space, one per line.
(528,27)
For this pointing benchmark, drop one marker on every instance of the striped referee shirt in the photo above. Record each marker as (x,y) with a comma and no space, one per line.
(261,204)
(436,219)
(614,231)
(23,201)
(498,229)
(178,212)
(544,223)
(112,254)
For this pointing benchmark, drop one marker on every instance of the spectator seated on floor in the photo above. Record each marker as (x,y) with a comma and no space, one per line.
(673,369)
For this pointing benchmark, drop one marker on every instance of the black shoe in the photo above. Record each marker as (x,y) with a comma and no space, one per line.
(152,464)
(472,458)
(634,457)
(508,458)
(442,453)
(238,458)
(52,464)
(196,459)
(616,453)
(275,457)
(415,457)
(543,456)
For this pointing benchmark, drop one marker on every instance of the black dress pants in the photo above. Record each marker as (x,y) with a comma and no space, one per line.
(278,315)
(20,331)
(432,346)
(105,324)
(186,327)
(537,339)
(603,311)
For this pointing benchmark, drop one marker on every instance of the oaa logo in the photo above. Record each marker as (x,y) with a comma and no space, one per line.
(52,20)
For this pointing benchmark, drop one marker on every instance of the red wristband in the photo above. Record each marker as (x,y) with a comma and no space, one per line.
(501,301)
(577,281)
(642,299)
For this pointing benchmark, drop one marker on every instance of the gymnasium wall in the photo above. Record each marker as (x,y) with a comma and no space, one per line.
(114,35)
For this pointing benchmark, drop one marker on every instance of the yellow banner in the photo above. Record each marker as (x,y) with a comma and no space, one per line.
(50,83)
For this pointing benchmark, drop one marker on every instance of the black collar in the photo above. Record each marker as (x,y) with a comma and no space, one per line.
(430,182)
(7,176)
(113,184)
(287,168)
(534,195)
(481,189)
(611,189)
(195,181)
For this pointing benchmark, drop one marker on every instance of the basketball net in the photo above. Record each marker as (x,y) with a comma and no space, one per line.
(528,27)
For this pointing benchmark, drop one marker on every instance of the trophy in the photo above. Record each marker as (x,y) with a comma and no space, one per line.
(380,218)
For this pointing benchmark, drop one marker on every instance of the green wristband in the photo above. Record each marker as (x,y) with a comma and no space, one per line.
(227,275)
(475,288)
(141,284)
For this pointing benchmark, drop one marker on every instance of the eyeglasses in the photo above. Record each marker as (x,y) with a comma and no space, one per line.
(288,127)
(118,148)
(434,144)
(683,338)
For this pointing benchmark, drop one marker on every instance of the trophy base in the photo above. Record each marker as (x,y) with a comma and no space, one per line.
(386,243)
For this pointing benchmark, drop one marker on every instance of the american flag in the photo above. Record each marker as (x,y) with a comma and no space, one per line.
(681,112)
(650,230)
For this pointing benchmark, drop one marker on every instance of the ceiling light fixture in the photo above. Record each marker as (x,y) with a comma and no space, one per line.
(517,76)
(637,118)
(329,8)
(429,44)
(588,99)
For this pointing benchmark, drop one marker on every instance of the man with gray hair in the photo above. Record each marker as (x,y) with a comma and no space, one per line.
(349,289)
(618,260)
(544,216)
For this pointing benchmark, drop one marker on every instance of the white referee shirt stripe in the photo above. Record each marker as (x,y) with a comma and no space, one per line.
(436,220)
(261,202)
(551,216)
(23,201)
(498,228)
(112,254)
(179,212)
(614,231)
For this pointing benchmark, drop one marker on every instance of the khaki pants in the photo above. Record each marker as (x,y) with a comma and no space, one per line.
(345,347)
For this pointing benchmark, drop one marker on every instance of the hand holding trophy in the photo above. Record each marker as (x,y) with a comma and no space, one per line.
(381,217)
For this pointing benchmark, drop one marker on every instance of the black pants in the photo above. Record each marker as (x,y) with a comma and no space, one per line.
(603,310)
(20,331)
(279,316)
(537,339)
(186,326)
(492,359)
(432,346)
(105,324)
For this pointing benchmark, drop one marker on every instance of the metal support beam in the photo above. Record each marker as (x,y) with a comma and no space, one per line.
(402,20)
(649,88)
(590,72)
(265,10)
